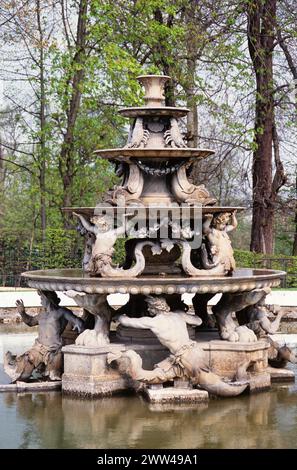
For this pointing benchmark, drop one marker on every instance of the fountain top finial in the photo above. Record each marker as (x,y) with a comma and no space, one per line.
(154,89)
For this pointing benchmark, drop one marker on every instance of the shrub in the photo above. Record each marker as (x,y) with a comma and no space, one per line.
(247,259)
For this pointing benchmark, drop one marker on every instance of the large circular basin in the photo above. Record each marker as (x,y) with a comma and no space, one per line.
(65,279)
(90,211)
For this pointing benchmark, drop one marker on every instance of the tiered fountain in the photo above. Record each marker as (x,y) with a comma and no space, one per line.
(179,244)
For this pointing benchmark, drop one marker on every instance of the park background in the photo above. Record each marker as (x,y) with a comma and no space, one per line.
(68,66)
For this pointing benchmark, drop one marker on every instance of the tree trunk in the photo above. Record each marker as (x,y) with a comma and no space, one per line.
(161,59)
(2,180)
(294,250)
(261,41)
(192,118)
(191,45)
(67,157)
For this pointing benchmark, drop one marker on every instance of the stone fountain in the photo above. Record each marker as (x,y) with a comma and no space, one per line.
(177,243)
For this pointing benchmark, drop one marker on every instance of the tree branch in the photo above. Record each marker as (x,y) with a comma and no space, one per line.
(16,164)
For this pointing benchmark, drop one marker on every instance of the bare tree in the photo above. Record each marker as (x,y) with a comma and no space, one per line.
(29,27)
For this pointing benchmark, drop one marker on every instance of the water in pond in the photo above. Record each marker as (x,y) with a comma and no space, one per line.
(48,420)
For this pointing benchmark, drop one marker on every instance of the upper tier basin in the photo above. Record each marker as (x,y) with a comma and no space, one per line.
(154,112)
(242,280)
(153,153)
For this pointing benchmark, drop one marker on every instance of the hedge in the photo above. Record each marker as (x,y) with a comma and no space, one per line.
(247,259)
(64,249)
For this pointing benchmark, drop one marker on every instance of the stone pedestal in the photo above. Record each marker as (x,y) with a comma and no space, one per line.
(259,382)
(225,357)
(42,386)
(86,372)
(281,375)
(176,395)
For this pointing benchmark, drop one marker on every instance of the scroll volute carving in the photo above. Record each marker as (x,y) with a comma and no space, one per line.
(184,191)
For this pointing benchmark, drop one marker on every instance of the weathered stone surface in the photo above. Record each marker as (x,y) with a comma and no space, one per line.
(176,395)
(136,335)
(8,388)
(225,357)
(289,326)
(259,382)
(281,375)
(86,372)
(31,386)
(92,387)
(182,384)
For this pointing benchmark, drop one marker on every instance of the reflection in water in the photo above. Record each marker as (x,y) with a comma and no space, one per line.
(48,420)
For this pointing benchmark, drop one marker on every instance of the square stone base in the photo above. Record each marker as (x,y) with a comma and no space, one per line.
(225,357)
(86,372)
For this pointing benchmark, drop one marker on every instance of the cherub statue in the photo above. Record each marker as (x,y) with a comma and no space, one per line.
(215,231)
(45,355)
(89,243)
(105,237)
(103,248)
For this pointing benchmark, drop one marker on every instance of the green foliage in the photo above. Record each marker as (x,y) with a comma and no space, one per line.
(60,250)
(120,252)
(247,259)
(124,39)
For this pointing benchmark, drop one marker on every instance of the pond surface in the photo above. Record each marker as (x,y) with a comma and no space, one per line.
(48,420)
